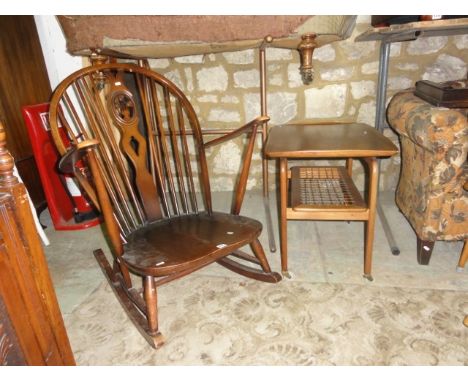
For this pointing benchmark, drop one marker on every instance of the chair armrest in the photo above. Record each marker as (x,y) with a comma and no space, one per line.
(436,129)
(242,183)
(233,134)
(68,165)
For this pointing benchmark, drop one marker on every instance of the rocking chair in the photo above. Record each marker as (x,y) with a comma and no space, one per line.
(131,127)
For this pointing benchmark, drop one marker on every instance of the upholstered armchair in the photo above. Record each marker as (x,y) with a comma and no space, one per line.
(434,146)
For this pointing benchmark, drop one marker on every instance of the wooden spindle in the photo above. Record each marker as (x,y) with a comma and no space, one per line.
(186,155)
(165,151)
(175,151)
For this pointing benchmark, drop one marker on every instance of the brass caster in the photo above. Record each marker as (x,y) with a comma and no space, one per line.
(287,275)
(460,269)
(368,277)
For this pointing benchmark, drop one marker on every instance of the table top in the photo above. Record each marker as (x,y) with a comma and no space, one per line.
(403,32)
(351,140)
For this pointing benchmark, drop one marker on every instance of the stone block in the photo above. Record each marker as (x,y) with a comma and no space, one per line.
(208,98)
(227,160)
(294,76)
(399,83)
(461,42)
(361,89)
(336,74)
(212,79)
(357,50)
(196,59)
(275,79)
(223,115)
(241,58)
(189,79)
(426,45)
(281,106)
(325,53)
(407,66)
(370,67)
(278,54)
(366,113)
(446,68)
(174,76)
(247,79)
(230,99)
(326,102)
(158,63)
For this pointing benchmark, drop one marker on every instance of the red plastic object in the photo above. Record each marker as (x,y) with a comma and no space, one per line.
(68,210)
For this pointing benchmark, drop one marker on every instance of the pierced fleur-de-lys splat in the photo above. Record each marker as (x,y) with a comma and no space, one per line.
(122,109)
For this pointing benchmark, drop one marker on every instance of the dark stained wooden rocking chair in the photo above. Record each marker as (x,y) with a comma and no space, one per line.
(131,127)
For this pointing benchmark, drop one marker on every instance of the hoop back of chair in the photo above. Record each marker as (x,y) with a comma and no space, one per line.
(144,125)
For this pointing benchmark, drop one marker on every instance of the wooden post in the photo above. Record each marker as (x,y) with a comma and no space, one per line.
(25,284)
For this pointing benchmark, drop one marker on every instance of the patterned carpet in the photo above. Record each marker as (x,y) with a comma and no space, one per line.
(210,320)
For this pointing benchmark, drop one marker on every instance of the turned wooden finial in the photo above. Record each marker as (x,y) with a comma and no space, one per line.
(97,58)
(306,50)
(6,162)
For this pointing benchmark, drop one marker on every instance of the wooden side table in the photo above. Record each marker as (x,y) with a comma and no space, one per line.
(327,193)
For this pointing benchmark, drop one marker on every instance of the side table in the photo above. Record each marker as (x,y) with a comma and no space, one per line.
(327,193)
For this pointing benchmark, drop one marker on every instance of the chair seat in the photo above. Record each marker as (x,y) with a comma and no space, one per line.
(187,241)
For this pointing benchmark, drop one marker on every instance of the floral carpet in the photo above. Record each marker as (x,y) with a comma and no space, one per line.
(209,320)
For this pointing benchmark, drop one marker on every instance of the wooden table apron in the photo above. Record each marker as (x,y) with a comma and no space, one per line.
(346,141)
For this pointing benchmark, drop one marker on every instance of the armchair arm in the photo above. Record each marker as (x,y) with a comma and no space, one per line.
(68,165)
(233,134)
(100,197)
(251,127)
(435,129)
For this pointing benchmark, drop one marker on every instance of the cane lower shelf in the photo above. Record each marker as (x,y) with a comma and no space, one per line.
(324,188)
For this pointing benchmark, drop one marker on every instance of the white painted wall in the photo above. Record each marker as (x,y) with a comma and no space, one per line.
(58,62)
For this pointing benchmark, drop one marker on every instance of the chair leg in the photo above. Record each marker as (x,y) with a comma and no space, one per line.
(424,251)
(463,257)
(259,253)
(132,303)
(265,274)
(151,300)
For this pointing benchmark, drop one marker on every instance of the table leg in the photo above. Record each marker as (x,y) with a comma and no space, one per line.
(349,166)
(282,217)
(380,125)
(370,224)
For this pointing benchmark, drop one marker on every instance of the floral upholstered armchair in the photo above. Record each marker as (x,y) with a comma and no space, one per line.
(434,169)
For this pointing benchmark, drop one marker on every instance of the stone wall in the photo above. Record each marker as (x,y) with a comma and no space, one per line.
(224,89)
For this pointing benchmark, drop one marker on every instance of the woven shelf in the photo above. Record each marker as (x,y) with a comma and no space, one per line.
(324,188)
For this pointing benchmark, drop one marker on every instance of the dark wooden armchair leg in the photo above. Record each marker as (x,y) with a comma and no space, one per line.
(424,251)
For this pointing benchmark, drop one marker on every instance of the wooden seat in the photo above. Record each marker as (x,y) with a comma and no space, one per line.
(198,239)
(142,141)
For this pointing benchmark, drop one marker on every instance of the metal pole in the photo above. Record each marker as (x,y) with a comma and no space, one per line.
(379,124)
(263,109)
